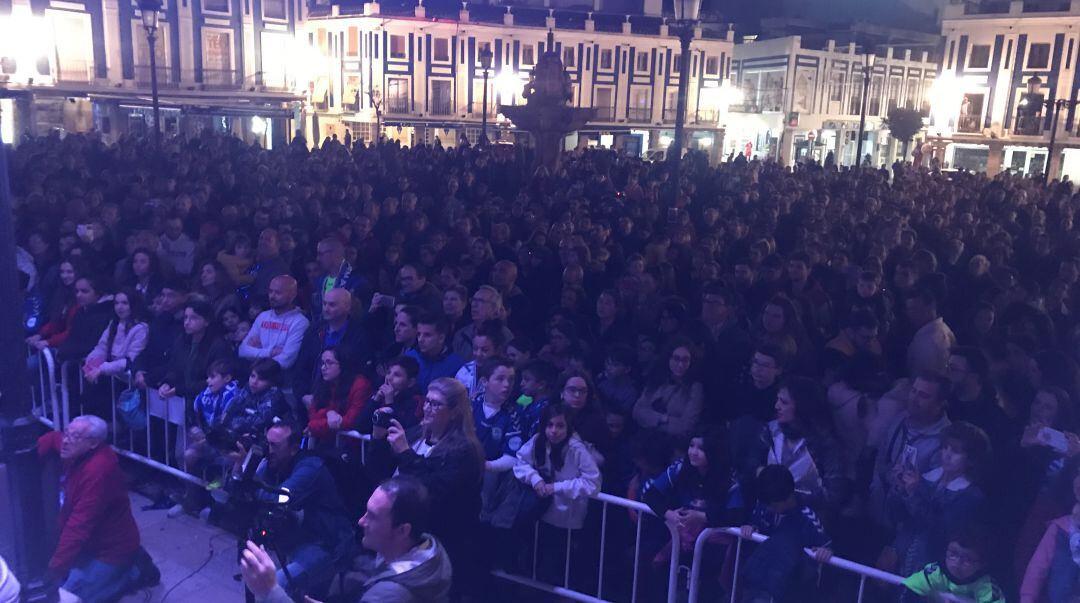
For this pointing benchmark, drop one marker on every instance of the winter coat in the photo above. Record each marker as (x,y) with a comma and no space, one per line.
(95,519)
(683,405)
(127,344)
(186,363)
(445,364)
(1051,574)
(349,408)
(815,462)
(85,329)
(254,413)
(575,482)
(420,576)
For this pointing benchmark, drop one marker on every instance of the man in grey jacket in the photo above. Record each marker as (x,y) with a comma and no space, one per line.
(409,566)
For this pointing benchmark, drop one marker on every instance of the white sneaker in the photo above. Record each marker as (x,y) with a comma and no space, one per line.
(175,511)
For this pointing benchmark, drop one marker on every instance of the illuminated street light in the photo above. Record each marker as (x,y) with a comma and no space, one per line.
(509,84)
(485,64)
(150,14)
(946,96)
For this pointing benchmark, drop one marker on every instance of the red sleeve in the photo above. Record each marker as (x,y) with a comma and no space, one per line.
(88,503)
(359,394)
(317,424)
(49,443)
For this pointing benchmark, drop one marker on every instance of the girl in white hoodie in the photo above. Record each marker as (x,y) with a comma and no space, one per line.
(558,466)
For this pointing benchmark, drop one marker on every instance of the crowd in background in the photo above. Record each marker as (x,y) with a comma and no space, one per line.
(874,363)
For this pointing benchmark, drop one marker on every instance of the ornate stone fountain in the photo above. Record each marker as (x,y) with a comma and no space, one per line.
(546,113)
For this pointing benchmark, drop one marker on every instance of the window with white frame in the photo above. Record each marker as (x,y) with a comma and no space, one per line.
(1038,56)
(642,61)
(528,54)
(568,57)
(215,6)
(606,60)
(712,65)
(441,49)
(979,57)
(398,48)
(275,9)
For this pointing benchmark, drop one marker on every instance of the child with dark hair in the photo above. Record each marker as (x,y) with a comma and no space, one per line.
(616,386)
(963,575)
(777,567)
(259,404)
(539,378)
(560,469)
(398,395)
(927,507)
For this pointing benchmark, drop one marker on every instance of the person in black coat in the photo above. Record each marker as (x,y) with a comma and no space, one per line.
(336,329)
(443,454)
(184,371)
(93,316)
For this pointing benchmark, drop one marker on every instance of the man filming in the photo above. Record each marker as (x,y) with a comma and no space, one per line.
(409,566)
(324,535)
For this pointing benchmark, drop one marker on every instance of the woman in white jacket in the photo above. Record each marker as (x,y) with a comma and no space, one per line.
(122,341)
(558,466)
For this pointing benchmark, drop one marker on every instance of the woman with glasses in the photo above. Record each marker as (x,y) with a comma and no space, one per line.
(444,454)
(674,398)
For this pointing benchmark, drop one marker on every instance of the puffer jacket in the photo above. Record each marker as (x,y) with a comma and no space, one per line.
(128,343)
(575,482)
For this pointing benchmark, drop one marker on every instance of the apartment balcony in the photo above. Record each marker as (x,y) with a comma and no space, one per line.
(142,77)
(669,114)
(707,116)
(221,79)
(1029,125)
(397,105)
(605,113)
(74,71)
(442,106)
(969,124)
(639,114)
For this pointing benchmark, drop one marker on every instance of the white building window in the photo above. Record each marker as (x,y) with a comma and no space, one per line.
(568,57)
(642,61)
(441,49)
(712,65)
(528,54)
(605,59)
(979,57)
(398,48)
(275,9)
(215,6)
(1038,56)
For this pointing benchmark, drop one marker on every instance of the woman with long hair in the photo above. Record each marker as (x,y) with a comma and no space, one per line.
(212,281)
(122,341)
(339,396)
(447,458)
(801,438)
(674,398)
(62,308)
(780,324)
(144,273)
(184,370)
(577,392)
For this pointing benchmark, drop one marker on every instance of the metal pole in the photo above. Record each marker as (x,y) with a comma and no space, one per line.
(151,40)
(686,32)
(862,116)
(22,504)
(1056,108)
(483,122)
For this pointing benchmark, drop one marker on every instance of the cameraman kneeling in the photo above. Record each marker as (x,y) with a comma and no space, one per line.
(324,535)
(410,566)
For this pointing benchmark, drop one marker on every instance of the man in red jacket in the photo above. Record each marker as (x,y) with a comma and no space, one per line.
(98,556)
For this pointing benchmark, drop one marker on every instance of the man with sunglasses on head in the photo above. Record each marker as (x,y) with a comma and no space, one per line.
(98,557)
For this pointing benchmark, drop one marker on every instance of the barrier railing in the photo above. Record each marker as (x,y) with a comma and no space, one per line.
(363,438)
(161,413)
(641,510)
(862,571)
(46,397)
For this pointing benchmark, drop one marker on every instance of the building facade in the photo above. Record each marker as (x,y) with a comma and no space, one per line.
(995,53)
(796,103)
(415,73)
(78,65)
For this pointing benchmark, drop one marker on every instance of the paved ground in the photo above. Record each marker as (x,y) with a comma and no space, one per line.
(197,560)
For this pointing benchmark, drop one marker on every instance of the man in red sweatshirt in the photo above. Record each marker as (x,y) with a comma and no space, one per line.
(98,556)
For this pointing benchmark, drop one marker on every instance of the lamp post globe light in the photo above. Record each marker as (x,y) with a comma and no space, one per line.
(686,16)
(868,67)
(485,64)
(151,11)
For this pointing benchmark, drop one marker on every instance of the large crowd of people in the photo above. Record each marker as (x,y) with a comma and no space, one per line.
(875,363)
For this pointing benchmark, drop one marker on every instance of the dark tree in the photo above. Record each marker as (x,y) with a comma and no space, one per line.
(904,124)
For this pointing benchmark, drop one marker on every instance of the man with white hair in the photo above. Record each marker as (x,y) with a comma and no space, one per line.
(98,557)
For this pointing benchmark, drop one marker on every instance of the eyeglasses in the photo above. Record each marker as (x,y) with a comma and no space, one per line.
(329,363)
(577,391)
(434,404)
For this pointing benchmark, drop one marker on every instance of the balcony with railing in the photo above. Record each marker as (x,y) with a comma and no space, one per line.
(442,106)
(639,114)
(1029,125)
(142,76)
(986,7)
(669,114)
(220,79)
(1046,6)
(74,70)
(397,105)
(605,113)
(707,116)
(968,124)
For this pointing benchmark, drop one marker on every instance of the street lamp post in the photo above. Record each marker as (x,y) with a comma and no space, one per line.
(485,64)
(868,66)
(686,16)
(150,13)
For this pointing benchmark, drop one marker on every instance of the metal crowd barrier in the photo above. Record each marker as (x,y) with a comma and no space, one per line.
(363,438)
(46,397)
(864,572)
(607,500)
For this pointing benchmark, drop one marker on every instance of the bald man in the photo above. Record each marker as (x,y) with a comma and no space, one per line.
(336,328)
(278,332)
(337,274)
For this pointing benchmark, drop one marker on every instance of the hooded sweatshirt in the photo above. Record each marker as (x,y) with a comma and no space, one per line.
(272,330)
(420,576)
